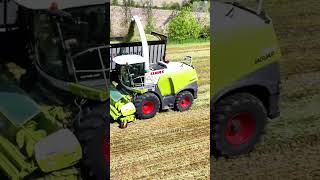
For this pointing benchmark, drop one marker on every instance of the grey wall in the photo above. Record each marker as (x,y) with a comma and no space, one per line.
(161,19)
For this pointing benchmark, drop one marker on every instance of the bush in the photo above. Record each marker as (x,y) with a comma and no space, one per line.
(205,28)
(205,32)
(164,5)
(115,2)
(175,6)
(184,26)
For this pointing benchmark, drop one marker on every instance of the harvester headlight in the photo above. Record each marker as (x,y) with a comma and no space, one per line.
(127,107)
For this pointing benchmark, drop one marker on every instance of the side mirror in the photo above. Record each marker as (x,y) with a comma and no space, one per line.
(264,17)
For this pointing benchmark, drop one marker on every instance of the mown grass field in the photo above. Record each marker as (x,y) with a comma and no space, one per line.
(290,148)
(172,145)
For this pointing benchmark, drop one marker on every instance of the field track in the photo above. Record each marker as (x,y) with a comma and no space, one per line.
(290,147)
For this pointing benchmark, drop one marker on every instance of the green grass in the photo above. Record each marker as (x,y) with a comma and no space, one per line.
(200,52)
(188,42)
(297,26)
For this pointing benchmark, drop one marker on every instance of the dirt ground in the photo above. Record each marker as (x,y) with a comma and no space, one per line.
(290,147)
(172,145)
(295,160)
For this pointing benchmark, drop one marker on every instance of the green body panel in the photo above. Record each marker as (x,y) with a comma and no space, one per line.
(138,90)
(27,119)
(27,110)
(117,101)
(115,94)
(28,136)
(172,83)
(8,168)
(17,157)
(61,160)
(88,92)
(20,129)
(13,163)
(51,156)
(241,45)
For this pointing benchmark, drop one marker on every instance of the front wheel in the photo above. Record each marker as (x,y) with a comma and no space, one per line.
(147,105)
(92,133)
(183,101)
(238,124)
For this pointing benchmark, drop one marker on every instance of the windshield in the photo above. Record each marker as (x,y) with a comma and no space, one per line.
(51,55)
(57,36)
(252,5)
(132,75)
(87,29)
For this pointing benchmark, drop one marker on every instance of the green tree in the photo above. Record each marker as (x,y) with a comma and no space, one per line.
(184,26)
(150,20)
(115,2)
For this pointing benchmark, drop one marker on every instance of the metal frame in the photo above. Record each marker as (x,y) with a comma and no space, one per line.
(157,49)
(4,25)
(259,8)
(103,69)
(257,11)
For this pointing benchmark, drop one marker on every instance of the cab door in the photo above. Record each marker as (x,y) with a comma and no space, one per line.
(12,9)
(8,15)
(2,15)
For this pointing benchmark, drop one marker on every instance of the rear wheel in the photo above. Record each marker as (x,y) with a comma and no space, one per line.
(238,124)
(147,105)
(93,136)
(183,101)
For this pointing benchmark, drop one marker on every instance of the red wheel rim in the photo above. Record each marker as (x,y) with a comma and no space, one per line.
(106,150)
(148,107)
(240,128)
(185,102)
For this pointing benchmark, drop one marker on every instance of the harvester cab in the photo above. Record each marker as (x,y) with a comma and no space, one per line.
(246,77)
(155,86)
(137,72)
(70,45)
(69,52)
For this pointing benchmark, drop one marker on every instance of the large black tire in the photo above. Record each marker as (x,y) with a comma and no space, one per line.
(147,105)
(183,101)
(93,134)
(238,124)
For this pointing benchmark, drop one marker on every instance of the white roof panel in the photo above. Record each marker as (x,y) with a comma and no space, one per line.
(128,59)
(62,4)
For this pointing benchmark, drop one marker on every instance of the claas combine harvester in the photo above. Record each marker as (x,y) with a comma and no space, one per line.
(63,47)
(245,76)
(143,82)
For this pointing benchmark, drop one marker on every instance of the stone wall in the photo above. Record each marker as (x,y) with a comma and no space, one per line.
(158,3)
(161,19)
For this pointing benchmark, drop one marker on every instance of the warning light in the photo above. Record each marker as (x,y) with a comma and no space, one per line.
(54,6)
